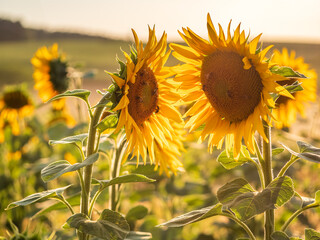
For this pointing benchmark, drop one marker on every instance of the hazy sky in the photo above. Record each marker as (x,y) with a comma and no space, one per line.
(290,20)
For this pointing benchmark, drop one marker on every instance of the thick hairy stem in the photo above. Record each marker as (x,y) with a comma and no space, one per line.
(114,172)
(87,172)
(268,177)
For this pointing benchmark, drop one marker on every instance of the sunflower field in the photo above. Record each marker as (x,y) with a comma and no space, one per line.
(209,138)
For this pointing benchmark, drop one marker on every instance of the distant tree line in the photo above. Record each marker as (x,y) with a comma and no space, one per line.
(14,31)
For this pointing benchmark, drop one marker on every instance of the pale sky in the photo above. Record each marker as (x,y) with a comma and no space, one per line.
(286,20)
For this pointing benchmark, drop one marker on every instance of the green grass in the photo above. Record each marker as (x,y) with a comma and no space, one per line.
(97,54)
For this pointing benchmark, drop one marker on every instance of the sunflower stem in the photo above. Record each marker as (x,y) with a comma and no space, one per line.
(268,177)
(115,172)
(296,214)
(242,224)
(87,172)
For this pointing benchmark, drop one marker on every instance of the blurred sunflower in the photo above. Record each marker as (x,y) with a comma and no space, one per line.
(15,105)
(287,109)
(50,74)
(146,104)
(230,83)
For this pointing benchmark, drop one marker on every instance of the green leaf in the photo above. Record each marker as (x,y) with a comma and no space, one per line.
(136,213)
(311,234)
(79,93)
(138,236)
(130,178)
(108,122)
(37,197)
(281,190)
(228,162)
(279,236)
(241,198)
(308,153)
(73,201)
(286,72)
(231,190)
(306,147)
(76,139)
(277,151)
(194,216)
(317,197)
(56,169)
(110,225)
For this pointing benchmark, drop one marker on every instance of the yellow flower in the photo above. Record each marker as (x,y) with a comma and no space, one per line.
(146,105)
(287,109)
(230,83)
(15,105)
(50,74)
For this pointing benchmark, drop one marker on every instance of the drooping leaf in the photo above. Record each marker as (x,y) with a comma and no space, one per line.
(130,178)
(110,225)
(311,234)
(76,139)
(56,169)
(73,201)
(227,160)
(277,151)
(108,122)
(310,154)
(194,216)
(241,198)
(137,213)
(286,72)
(138,236)
(38,197)
(79,93)
(279,236)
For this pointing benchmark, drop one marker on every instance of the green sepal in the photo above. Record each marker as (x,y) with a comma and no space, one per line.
(110,121)
(286,72)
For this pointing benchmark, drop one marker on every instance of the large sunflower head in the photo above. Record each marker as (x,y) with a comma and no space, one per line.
(146,104)
(287,108)
(230,83)
(50,73)
(15,105)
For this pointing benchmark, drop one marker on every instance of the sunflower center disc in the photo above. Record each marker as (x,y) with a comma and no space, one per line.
(282,99)
(58,75)
(233,91)
(143,95)
(15,99)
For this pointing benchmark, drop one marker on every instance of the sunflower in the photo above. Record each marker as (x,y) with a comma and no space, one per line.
(15,105)
(146,104)
(50,74)
(230,83)
(287,109)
